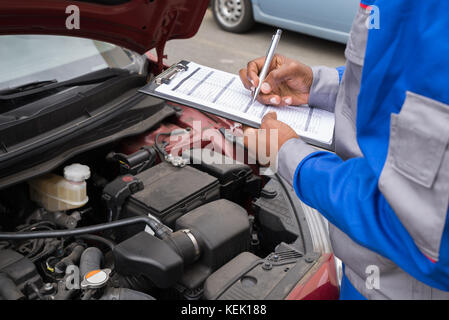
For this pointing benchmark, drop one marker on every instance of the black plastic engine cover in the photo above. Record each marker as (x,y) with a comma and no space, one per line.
(248,277)
(276,217)
(222,230)
(144,255)
(19,268)
(237,180)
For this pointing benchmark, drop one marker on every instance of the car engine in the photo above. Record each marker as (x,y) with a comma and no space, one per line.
(108,225)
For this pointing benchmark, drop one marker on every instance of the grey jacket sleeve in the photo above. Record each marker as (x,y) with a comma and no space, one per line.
(290,156)
(324,89)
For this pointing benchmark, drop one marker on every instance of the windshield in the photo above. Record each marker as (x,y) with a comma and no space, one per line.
(29,58)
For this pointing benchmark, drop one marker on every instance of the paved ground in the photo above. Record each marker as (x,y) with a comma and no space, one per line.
(214,47)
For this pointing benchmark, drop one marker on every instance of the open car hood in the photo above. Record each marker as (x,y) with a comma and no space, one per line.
(138,25)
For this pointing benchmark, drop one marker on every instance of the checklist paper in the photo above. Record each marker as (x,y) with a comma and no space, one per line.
(223,94)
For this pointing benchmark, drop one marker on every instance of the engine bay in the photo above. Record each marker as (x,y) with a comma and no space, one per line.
(120,222)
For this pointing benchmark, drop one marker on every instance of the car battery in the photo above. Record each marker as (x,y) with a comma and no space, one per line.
(169,192)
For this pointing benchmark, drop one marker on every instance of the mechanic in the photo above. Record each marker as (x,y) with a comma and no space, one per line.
(386,190)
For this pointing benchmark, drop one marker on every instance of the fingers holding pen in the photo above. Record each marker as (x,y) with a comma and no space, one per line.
(245,81)
(253,70)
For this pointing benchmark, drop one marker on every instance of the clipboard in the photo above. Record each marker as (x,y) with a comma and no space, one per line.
(169,75)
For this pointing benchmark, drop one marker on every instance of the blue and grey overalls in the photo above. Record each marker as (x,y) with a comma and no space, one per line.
(386,190)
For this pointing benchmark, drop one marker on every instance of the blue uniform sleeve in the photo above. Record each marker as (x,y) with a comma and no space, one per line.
(347,194)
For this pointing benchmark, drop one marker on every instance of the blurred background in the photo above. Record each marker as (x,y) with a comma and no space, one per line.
(212,46)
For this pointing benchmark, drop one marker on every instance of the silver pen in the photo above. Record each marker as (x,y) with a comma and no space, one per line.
(270,54)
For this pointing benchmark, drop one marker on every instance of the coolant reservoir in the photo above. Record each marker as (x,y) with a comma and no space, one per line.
(56,193)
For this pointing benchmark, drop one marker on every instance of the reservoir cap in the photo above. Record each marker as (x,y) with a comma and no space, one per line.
(77,172)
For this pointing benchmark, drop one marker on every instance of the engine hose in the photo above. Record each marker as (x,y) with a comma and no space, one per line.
(185,244)
(161,231)
(72,258)
(90,260)
(8,289)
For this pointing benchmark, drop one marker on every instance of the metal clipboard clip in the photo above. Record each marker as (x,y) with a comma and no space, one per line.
(166,76)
